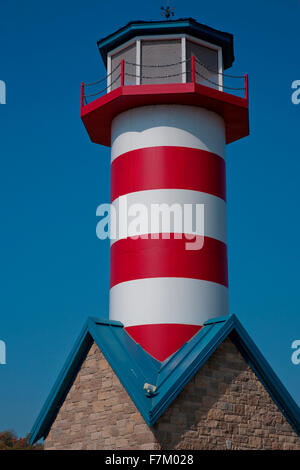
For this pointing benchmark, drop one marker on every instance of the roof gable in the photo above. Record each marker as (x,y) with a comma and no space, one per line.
(134,367)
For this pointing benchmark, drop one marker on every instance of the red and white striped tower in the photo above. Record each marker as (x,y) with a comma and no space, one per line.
(162,292)
(167,148)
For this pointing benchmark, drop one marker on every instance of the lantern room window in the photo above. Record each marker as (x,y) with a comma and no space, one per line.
(207,64)
(128,54)
(158,53)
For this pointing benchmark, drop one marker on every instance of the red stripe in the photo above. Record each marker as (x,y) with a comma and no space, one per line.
(162,340)
(168,168)
(150,258)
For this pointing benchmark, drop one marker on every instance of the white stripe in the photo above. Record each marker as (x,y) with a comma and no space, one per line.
(168,125)
(214,212)
(167,300)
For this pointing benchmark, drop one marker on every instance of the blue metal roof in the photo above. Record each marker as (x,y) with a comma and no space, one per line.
(180,26)
(134,367)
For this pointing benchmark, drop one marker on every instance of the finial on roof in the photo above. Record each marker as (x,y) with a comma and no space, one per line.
(167,11)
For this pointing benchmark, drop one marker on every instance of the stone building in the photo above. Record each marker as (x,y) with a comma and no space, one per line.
(216,392)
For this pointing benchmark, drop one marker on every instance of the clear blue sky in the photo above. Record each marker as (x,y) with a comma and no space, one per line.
(54,271)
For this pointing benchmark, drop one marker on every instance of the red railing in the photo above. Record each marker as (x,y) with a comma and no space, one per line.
(193,69)
(122,72)
(246,87)
(193,72)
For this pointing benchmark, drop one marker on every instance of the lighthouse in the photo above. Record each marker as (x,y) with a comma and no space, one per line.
(171,368)
(167,109)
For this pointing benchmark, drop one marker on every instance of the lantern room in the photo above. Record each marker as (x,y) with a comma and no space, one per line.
(165,62)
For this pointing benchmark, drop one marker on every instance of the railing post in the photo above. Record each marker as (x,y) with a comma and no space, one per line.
(246,87)
(122,72)
(82,95)
(193,69)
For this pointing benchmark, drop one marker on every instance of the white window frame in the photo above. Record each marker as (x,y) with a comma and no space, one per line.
(137,40)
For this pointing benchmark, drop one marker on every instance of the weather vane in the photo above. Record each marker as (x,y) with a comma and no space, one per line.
(167,11)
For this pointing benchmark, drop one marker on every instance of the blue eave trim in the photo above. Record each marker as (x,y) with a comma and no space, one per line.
(134,367)
(130,362)
(187,362)
(187,25)
(61,387)
(267,376)
(183,366)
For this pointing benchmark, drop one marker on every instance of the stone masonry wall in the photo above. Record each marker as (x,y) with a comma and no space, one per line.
(223,407)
